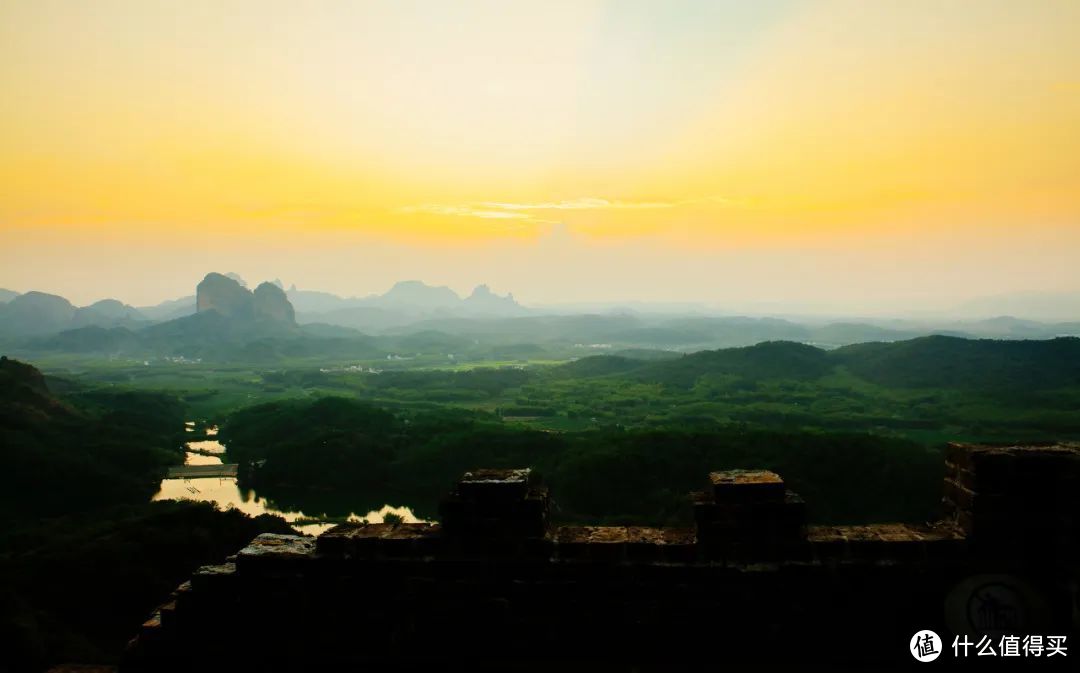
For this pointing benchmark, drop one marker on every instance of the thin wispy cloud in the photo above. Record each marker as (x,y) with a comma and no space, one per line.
(580,204)
(512,210)
(464,211)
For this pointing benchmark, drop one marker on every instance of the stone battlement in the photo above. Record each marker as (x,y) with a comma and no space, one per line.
(495,584)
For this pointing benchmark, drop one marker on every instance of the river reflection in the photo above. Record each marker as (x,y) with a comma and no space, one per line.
(226,493)
(207,445)
(200,459)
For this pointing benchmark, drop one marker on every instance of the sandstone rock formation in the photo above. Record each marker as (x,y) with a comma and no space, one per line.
(229,298)
(484,301)
(418,294)
(270,303)
(219,293)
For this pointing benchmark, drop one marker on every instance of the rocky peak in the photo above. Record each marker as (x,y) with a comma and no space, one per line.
(227,297)
(421,295)
(235,276)
(481,291)
(484,300)
(270,303)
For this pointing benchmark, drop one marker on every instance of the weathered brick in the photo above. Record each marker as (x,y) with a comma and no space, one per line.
(410,539)
(494,484)
(591,543)
(644,544)
(722,523)
(515,513)
(359,540)
(271,553)
(957,495)
(680,545)
(214,578)
(746,486)
(828,542)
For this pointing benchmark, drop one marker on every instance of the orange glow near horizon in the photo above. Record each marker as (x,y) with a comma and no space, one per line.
(684,127)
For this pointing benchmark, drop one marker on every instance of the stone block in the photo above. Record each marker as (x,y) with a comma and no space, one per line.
(680,545)
(167,613)
(884,543)
(494,484)
(993,470)
(351,539)
(945,543)
(996,470)
(751,521)
(271,554)
(411,539)
(212,579)
(746,486)
(525,516)
(644,544)
(152,632)
(957,495)
(605,544)
(829,543)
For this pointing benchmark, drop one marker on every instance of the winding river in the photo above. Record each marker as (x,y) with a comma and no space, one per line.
(226,492)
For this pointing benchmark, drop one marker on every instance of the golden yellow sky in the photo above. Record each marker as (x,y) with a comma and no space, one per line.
(465,142)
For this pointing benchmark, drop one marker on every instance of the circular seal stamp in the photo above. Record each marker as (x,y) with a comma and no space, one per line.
(925,646)
(995,605)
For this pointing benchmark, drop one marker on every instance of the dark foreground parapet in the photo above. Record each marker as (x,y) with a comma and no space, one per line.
(1016,500)
(496,587)
(496,504)
(750,515)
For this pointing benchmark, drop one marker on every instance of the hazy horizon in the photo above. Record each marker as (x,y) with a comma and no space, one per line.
(1049,306)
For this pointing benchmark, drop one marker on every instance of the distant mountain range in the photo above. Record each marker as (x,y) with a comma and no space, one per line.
(1035,306)
(405,303)
(37,313)
(224,320)
(224,314)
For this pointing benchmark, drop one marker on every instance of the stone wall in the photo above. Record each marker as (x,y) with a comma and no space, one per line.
(495,587)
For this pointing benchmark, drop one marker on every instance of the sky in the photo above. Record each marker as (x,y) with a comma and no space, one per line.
(805,154)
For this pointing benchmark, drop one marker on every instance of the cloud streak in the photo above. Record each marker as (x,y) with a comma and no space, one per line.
(521,211)
(464,211)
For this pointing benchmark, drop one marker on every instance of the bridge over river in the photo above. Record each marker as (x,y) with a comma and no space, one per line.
(202,471)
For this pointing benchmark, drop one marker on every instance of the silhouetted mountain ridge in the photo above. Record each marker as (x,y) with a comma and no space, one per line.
(405,302)
(37,313)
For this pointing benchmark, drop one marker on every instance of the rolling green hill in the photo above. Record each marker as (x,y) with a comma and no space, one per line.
(951,362)
(929,362)
(767,360)
(93,448)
